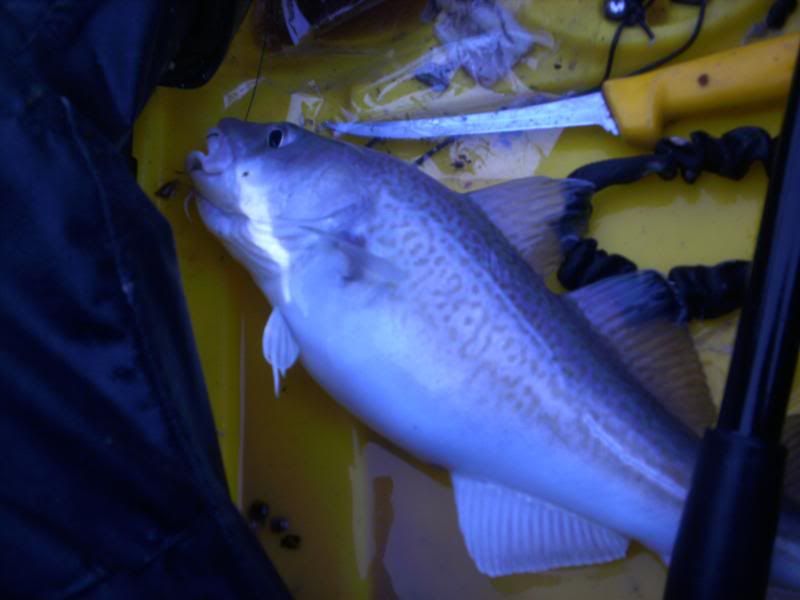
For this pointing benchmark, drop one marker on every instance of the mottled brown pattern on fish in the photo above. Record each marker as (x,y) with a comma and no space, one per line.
(500,320)
(475,303)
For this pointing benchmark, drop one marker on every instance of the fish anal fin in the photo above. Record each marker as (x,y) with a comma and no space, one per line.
(509,532)
(528,211)
(279,347)
(638,315)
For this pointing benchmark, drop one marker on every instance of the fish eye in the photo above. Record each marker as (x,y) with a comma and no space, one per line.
(275,138)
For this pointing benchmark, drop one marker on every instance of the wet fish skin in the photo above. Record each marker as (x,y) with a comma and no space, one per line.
(414,311)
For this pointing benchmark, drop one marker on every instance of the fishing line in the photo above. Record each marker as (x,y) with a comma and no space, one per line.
(437,148)
(258,77)
(186,205)
(698,26)
(638,20)
(632,13)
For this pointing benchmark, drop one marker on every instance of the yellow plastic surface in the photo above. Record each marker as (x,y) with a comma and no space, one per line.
(756,73)
(374,522)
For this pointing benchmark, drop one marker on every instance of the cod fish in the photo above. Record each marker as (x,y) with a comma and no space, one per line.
(569,423)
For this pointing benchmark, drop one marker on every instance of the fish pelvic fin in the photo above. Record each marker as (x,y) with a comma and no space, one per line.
(637,314)
(509,532)
(279,347)
(528,212)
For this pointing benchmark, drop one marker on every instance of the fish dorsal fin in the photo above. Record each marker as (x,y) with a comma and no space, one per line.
(791,439)
(509,532)
(528,210)
(279,347)
(637,314)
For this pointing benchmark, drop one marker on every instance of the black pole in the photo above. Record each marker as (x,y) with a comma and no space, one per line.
(727,531)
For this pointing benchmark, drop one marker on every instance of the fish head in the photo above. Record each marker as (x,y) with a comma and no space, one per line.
(272,191)
(267,172)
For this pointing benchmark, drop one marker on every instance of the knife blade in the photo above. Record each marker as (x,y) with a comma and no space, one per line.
(637,107)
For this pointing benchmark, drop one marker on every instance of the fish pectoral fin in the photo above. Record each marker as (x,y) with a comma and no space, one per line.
(279,347)
(361,263)
(528,212)
(638,316)
(791,439)
(509,532)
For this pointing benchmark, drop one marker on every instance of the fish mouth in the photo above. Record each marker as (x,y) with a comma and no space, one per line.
(219,156)
(194,162)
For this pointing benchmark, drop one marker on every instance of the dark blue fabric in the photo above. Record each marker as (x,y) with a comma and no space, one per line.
(111,481)
(104,55)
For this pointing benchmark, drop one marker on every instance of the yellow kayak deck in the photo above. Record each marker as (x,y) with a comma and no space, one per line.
(374,522)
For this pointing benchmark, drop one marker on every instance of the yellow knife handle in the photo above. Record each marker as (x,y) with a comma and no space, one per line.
(758,72)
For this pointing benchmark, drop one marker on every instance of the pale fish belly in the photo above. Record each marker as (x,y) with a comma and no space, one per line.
(456,375)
